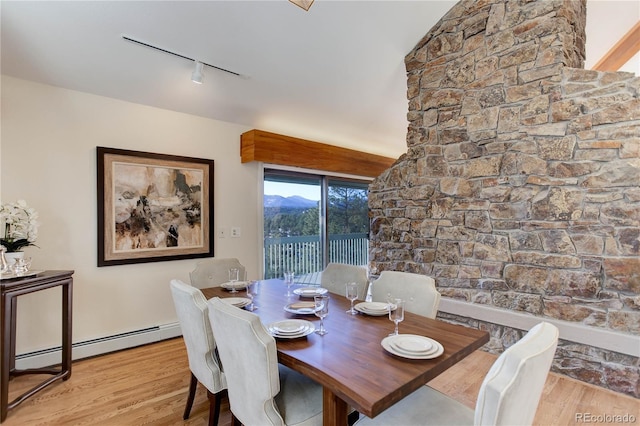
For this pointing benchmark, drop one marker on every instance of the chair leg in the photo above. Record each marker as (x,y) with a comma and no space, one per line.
(192,394)
(235,421)
(353,417)
(214,406)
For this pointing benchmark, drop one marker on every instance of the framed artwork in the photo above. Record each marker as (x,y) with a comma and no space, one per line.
(153,207)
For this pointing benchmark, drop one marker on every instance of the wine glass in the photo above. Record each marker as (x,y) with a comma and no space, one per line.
(288,280)
(233,278)
(321,310)
(252,292)
(396,315)
(352,295)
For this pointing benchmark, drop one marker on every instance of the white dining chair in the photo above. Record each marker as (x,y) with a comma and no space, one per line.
(336,276)
(213,272)
(419,291)
(509,394)
(261,391)
(192,310)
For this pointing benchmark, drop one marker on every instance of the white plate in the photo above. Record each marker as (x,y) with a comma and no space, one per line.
(237,301)
(372,308)
(301,308)
(386,344)
(305,328)
(288,327)
(310,291)
(371,313)
(237,285)
(413,344)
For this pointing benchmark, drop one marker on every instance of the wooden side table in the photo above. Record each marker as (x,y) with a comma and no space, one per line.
(10,290)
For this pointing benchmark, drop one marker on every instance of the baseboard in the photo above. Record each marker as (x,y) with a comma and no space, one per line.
(88,348)
(570,331)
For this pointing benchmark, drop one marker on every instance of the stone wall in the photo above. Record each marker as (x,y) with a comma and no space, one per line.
(520,188)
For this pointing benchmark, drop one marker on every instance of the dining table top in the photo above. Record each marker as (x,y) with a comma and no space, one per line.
(349,361)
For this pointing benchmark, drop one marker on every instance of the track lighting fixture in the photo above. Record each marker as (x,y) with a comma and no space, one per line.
(196,75)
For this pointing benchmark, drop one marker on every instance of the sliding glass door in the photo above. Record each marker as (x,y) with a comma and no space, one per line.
(348,221)
(292,237)
(311,220)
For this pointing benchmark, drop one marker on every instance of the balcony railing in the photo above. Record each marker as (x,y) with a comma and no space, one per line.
(303,255)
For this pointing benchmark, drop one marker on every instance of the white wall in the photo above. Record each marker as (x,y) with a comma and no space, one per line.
(48,158)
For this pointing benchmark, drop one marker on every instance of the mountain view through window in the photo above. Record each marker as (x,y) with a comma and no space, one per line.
(301,235)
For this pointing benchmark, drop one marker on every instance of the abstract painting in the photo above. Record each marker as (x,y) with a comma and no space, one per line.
(153,207)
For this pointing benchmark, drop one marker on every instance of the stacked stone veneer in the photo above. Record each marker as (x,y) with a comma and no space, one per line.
(520,188)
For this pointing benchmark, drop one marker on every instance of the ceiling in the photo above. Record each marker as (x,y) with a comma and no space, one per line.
(334,74)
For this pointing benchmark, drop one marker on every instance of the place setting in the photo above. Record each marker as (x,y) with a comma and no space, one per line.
(251,288)
(376,309)
(291,329)
(410,346)
(301,308)
(238,302)
(310,292)
(234,284)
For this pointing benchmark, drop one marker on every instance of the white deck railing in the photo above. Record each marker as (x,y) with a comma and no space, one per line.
(303,255)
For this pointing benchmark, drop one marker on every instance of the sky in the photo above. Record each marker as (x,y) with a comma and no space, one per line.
(310,192)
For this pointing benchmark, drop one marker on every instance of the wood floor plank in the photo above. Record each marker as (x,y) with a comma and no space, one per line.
(148,385)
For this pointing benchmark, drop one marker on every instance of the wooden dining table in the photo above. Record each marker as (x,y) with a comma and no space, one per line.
(349,361)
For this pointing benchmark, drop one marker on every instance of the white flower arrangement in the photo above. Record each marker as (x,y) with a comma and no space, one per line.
(20,225)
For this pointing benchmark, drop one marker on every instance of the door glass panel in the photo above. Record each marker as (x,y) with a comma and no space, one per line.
(292,237)
(348,222)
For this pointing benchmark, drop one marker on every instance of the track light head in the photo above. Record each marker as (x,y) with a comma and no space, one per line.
(197,74)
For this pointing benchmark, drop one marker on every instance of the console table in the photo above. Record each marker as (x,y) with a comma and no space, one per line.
(10,290)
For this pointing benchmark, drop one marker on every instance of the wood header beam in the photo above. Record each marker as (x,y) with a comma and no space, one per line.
(258,145)
(623,50)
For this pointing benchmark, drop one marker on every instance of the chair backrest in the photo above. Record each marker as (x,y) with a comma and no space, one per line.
(192,311)
(213,272)
(250,361)
(419,291)
(511,390)
(336,276)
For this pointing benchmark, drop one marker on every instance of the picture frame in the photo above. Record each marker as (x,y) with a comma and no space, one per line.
(153,207)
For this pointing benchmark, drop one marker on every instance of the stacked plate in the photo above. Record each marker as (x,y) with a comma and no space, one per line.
(238,285)
(301,308)
(310,291)
(290,329)
(239,302)
(412,346)
(372,308)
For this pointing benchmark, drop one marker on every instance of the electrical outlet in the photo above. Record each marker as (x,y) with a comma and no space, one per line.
(222,233)
(235,232)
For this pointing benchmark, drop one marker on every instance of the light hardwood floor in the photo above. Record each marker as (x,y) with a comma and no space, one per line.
(148,386)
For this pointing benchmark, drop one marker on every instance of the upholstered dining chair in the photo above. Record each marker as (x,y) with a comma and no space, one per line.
(509,394)
(336,276)
(192,310)
(419,291)
(261,392)
(213,272)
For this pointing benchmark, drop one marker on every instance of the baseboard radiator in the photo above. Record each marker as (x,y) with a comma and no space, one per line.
(103,345)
